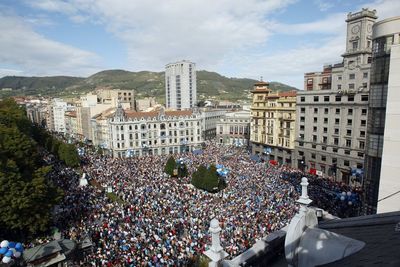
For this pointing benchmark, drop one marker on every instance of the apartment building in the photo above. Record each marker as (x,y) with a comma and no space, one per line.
(180,85)
(234,128)
(272,126)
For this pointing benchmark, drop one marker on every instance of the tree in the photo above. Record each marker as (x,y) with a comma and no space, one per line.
(170,166)
(68,154)
(206,179)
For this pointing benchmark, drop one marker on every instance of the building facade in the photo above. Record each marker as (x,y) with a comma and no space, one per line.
(272,127)
(56,115)
(210,118)
(37,113)
(382,180)
(153,133)
(71,125)
(234,128)
(180,85)
(332,110)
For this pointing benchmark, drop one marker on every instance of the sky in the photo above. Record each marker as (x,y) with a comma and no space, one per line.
(278,40)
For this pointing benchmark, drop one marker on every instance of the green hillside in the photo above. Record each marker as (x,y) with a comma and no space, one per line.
(146,83)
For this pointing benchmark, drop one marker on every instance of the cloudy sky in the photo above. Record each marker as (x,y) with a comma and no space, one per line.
(276,39)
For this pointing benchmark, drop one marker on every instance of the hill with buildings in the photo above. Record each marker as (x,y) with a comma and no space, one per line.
(146,83)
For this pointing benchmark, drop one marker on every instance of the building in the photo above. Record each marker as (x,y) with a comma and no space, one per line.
(145,103)
(210,118)
(332,110)
(180,85)
(273,123)
(95,103)
(153,133)
(234,128)
(37,112)
(382,179)
(71,124)
(56,112)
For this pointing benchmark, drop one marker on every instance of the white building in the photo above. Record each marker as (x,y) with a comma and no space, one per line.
(56,118)
(180,85)
(234,128)
(133,133)
(382,174)
(210,118)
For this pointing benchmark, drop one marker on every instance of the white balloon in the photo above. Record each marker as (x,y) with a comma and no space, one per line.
(342,198)
(17,254)
(6,259)
(348,194)
(4,244)
(350,203)
(13,250)
(343,193)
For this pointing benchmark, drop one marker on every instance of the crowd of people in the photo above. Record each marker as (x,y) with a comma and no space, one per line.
(164,221)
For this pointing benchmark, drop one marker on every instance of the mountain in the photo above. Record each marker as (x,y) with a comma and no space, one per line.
(146,83)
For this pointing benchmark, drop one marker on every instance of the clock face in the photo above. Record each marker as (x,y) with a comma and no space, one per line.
(355,29)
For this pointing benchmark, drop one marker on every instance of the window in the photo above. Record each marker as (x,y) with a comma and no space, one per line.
(323,158)
(350,111)
(336,141)
(337,111)
(326,111)
(324,139)
(314,138)
(310,81)
(302,119)
(302,110)
(312,155)
(360,154)
(339,86)
(363,122)
(326,98)
(302,99)
(325,130)
(339,77)
(337,121)
(348,132)
(347,152)
(365,85)
(352,76)
(362,133)
(338,98)
(355,45)
(346,163)
(325,120)
(365,75)
(348,143)
(316,98)
(361,144)
(315,110)
(313,146)
(334,150)
(336,130)
(364,98)
(301,127)
(349,122)
(301,143)
(350,98)
(351,85)
(315,119)
(323,148)
(315,129)
(364,111)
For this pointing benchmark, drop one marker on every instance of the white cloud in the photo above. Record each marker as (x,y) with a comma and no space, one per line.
(324,5)
(158,32)
(21,46)
(10,72)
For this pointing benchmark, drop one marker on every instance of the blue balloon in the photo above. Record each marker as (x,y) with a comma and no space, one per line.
(18,246)
(21,249)
(3,251)
(9,253)
(11,244)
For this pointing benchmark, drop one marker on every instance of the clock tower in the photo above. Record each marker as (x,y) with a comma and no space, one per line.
(359,38)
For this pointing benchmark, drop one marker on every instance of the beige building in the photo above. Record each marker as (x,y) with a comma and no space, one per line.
(272,124)
(234,128)
(332,111)
(71,124)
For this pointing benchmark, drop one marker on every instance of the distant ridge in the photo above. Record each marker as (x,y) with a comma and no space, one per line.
(146,83)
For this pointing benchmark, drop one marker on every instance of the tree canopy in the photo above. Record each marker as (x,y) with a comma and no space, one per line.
(27,196)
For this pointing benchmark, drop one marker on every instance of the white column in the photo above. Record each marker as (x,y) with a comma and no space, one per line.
(216,252)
